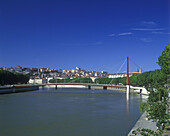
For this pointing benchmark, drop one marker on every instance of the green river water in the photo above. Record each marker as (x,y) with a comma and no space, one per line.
(68,112)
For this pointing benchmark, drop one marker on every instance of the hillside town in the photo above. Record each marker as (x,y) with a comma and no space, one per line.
(43,75)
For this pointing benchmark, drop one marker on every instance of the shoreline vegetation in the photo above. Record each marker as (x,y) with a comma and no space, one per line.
(145,79)
(9,78)
(157,105)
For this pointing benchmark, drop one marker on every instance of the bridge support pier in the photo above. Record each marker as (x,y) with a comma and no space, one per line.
(89,87)
(56,87)
(13,89)
(104,87)
(127,89)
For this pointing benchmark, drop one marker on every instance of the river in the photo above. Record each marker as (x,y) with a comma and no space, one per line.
(68,112)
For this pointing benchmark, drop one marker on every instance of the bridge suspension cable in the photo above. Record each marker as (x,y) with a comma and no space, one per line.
(108,67)
(121,66)
(135,64)
(119,70)
(116,65)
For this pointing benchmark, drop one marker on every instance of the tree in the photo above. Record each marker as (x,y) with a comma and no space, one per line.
(158,100)
(68,80)
(8,78)
(164,60)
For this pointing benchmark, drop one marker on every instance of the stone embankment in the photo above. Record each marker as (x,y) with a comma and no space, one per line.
(143,122)
(16,89)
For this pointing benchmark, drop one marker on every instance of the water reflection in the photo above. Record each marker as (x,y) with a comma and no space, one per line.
(127,103)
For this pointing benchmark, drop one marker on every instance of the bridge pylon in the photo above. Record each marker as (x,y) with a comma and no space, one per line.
(127,77)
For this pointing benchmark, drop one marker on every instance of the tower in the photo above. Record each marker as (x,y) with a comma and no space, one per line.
(137,70)
(140,70)
(127,78)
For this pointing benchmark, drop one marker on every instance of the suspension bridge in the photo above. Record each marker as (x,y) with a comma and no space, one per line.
(127,88)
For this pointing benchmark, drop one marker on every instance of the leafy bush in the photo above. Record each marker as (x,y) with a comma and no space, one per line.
(8,78)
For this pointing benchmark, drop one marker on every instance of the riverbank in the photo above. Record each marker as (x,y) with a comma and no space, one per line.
(16,89)
(143,122)
(92,87)
(27,87)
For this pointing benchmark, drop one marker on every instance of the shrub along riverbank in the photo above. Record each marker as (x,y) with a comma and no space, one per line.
(75,80)
(157,105)
(9,78)
(145,79)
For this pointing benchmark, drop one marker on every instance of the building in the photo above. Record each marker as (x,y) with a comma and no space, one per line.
(118,75)
(103,72)
(78,68)
(42,70)
(18,68)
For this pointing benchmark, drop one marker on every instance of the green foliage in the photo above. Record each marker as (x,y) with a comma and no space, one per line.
(143,106)
(21,78)
(147,79)
(146,132)
(158,100)
(8,78)
(164,60)
(157,106)
(52,81)
(110,80)
(75,80)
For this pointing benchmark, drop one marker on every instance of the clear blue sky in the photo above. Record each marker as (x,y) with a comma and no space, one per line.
(92,34)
